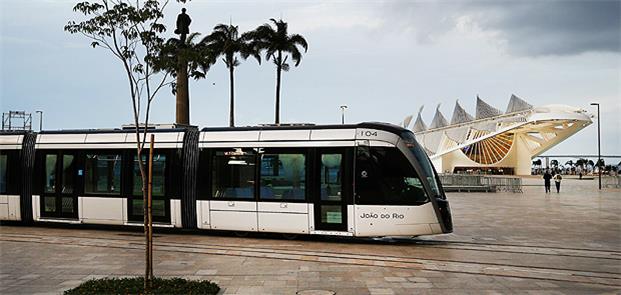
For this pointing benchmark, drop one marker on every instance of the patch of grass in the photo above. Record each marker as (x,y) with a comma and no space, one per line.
(135,286)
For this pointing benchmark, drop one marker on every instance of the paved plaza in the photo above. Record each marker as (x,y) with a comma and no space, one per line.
(504,243)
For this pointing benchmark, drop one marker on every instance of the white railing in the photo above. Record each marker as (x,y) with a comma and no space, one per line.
(463,182)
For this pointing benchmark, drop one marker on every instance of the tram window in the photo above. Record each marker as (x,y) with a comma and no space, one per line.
(67,205)
(331,214)
(68,174)
(158,208)
(283,177)
(331,165)
(202,179)
(9,172)
(423,160)
(102,174)
(159,178)
(49,204)
(50,173)
(233,174)
(3,169)
(384,176)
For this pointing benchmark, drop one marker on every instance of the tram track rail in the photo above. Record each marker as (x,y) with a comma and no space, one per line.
(451,245)
(394,261)
(523,249)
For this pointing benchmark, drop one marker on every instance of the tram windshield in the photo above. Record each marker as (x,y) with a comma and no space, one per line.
(423,160)
(385,177)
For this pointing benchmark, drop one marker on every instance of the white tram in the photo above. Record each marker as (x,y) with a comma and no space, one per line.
(367,179)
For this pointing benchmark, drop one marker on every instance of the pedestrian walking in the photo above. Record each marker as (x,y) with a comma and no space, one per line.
(546,180)
(557,181)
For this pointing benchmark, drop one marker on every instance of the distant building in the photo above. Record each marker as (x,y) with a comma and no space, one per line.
(493,141)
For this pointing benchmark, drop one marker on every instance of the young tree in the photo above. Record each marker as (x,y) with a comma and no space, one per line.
(131,32)
(278,46)
(225,41)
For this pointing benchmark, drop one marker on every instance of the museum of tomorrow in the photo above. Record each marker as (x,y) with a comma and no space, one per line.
(493,141)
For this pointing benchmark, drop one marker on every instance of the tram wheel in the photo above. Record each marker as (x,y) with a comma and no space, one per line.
(290,236)
(241,234)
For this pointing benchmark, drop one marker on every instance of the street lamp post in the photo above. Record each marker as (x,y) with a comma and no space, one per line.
(40,120)
(599,150)
(343,107)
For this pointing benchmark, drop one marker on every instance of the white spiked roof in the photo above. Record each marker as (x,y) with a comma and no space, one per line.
(484,110)
(460,115)
(517,104)
(438,120)
(407,121)
(419,124)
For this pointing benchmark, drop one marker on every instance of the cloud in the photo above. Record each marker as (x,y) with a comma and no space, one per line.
(327,15)
(557,27)
(526,28)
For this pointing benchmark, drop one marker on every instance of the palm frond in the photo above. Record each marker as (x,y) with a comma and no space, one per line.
(191,37)
(297,39)
(296,56)
(221,27)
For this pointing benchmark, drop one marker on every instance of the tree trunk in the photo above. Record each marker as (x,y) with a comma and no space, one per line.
(183,94)
(278,70)
(232,102)
(150,217)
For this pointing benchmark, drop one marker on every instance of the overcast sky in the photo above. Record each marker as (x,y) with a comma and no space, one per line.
(384,59)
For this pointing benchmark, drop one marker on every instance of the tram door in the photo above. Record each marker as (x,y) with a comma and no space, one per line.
(59,198)
(331,203)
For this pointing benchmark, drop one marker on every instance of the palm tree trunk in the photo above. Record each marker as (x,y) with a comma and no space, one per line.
(278,71)
(232,103)
(183,95)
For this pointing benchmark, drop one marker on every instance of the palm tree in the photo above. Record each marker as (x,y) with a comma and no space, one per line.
(225,41)
(570,163)
(176,55)
(581,162)
(554,163)
(278,46)
(600,163)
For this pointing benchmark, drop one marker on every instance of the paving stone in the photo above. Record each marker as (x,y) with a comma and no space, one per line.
(29,277)
(422,285)
(418,280)
(205,272)
(381,291)
(71,283)
(395,279)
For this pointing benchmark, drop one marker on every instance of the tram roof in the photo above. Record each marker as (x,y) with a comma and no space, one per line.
(117,130)
(370,125)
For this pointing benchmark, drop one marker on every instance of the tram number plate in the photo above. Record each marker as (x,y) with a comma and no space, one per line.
(382,216)
(368,133)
